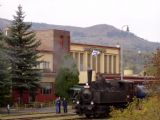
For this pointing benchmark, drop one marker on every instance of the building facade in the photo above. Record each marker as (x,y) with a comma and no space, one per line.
(106,62)
(54,45)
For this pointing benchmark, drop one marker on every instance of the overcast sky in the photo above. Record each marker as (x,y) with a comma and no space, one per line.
(142,16)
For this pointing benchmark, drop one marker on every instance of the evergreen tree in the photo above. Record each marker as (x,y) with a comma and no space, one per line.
(153,65)
(22,46)
(67,77)
(156,63)
(5,81)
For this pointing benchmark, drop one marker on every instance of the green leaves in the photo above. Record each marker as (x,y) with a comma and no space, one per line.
(153,67)
(156,63)
(66,77)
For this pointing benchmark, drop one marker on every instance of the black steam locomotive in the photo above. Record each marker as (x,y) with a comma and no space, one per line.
(97,96)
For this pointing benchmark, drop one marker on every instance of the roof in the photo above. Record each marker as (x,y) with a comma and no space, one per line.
(92,45)
(76,88)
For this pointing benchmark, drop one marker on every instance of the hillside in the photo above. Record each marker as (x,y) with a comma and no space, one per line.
(102,34)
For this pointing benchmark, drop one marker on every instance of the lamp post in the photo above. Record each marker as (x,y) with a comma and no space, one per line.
(139,62)
(139,54)
(121,60)
(127,27)
(121,51)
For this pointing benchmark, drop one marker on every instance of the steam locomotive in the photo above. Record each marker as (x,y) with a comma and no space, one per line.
(97,96)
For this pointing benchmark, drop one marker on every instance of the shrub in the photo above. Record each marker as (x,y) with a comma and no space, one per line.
(139,109)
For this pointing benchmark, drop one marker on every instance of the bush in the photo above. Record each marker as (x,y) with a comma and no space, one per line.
(6,100)
(139,109)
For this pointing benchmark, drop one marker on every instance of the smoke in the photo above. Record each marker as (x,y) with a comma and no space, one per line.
(62,57)
(65,60)
(70,64)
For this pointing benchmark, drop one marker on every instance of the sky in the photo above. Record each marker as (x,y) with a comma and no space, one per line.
(142,16)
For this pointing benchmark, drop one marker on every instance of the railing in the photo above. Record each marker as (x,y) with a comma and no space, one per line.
(34,105)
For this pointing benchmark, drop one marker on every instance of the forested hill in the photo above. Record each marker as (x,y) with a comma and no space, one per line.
(101,34)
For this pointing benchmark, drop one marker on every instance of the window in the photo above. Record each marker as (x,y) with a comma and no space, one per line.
(89,61)
(110,64)
(81,61)
(45,65)
(77,59)
(114,64)
(94,62)
(98,63)
(46,88)
(105,64)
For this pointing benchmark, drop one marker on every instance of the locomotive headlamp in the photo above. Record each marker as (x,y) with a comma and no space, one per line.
(77,102)
(92,103)
(86,86)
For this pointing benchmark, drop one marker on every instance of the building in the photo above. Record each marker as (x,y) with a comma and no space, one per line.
(54,45)
(107,62)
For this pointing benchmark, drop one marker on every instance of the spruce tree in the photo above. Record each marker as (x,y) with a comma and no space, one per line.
(5,81)
(22,49)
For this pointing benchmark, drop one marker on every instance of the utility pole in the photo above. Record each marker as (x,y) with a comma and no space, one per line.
(121,52)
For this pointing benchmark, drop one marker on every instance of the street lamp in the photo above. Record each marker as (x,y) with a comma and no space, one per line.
(127,27)
(121,51)
(139,52)
(121,59)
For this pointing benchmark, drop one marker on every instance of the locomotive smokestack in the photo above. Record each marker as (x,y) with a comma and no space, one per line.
(89,72)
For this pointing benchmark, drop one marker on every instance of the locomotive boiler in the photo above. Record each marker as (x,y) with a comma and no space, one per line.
(97,96)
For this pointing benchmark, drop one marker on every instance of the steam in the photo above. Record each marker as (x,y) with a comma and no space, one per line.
(63,58)
(70,64)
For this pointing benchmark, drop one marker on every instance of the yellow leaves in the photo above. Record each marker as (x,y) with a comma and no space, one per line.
(147,109)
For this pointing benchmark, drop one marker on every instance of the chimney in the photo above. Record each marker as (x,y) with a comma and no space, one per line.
(89,72)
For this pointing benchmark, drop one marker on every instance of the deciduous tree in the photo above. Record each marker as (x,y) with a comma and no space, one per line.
(67,76)
(156,63)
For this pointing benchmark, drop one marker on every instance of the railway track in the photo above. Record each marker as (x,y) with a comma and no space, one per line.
(46,116)
(72,116)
